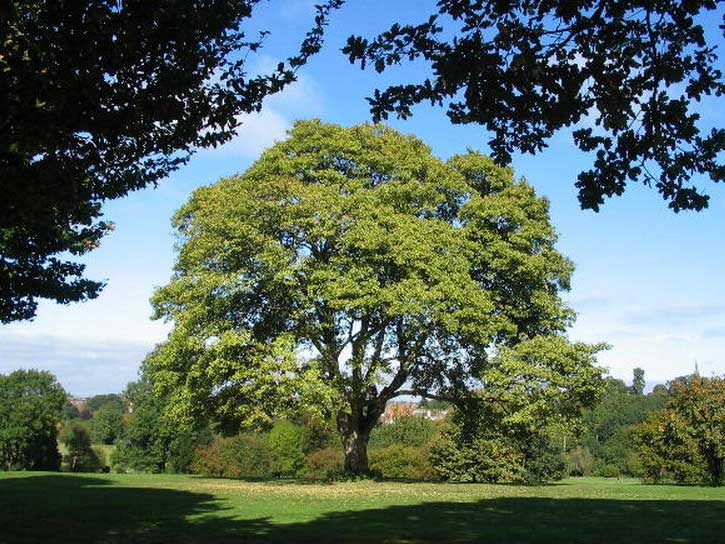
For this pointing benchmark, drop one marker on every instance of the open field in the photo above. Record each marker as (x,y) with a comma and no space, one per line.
(110,508)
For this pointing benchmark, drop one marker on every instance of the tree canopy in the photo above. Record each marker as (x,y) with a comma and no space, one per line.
(348,267)
(99,98)
(31,404)
(627,75)
(686,440)
(102,97)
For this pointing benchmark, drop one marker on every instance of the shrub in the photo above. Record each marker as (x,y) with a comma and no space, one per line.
(397,462)
(608,471)
(490,460)
(318,434)
(286,445)
(323,465)
(404,431)
(241,456)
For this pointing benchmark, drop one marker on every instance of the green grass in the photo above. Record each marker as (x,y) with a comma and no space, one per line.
(126,508)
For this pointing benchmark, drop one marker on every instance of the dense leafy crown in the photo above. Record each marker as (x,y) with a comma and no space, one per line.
(348,266)
(30,412)
(526,68)
(102,97)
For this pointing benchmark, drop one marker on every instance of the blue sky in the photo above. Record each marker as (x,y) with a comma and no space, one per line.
(647,281)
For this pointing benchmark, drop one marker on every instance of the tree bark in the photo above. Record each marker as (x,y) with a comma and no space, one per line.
(355,444)
(355,430)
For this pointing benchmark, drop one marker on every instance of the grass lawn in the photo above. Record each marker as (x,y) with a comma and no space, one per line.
(120,508)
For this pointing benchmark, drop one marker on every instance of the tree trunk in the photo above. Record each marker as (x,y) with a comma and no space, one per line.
(716,467)
(354,428)
(355,444)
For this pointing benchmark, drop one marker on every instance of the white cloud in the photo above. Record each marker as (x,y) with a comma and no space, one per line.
(664,340)
(83,367)
(258,131)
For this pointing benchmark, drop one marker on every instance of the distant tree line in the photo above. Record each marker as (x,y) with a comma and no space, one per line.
(675,433)
(605,445)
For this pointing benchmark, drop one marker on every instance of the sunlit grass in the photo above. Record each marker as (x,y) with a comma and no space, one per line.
(172,508)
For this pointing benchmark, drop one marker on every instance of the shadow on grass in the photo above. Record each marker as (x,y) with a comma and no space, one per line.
(84,509)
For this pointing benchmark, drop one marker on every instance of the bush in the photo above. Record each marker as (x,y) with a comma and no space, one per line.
(404,431)
(398,462)
(491,460)
(242,456)
(324,465)
(608,471)
(684,441)
(286,444)
(318,434)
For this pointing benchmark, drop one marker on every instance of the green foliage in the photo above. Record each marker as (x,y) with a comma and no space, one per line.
(100,98)
(667,451)
(151,441)
(399,462)
(243,456)
(31,404)
(478,460)
(324,464)
(286,445)
(110,400)
(434,404)
(404,431)
(580,461)
(394,267)
(318,433)
(686,440)
(526,69)
(543,461)
(607,428)
(106,426)
(80,456)
(638,382)
(490,441)
(70,411)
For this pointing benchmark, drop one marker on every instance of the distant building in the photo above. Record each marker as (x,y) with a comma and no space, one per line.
(433,415)
(395,410)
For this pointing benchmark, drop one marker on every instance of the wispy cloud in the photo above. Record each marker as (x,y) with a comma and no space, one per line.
(715,332)
(258,131)
(588,301)
(82,367)
(676,312)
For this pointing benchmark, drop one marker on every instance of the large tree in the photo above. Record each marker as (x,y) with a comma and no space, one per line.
(102,97)
(151,441)
(633,71)
(348,267)
(31,404)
